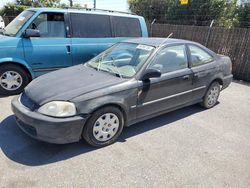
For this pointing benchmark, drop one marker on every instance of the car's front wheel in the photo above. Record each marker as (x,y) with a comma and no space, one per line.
(211,97)
(104,126)
(13,79)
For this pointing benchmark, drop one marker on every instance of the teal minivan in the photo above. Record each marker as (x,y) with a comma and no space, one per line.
(41,40)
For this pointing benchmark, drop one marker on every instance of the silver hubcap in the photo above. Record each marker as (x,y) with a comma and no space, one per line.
(213,95)
(11,80)
(105,127)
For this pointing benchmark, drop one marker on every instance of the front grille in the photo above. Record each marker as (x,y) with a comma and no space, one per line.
(27,102)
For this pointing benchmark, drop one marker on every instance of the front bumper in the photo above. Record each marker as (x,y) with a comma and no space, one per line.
(227,81)
(45,128)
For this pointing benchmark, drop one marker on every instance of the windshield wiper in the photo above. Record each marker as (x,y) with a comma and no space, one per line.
(100,63)
(113,63)
(2,31)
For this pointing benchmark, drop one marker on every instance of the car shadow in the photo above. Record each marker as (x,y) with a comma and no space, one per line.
(6,96)
(22,149)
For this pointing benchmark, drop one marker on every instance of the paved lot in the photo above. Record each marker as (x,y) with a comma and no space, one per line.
(190,147)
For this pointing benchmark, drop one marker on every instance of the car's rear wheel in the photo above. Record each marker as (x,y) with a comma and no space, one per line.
(13,79)
(211,97)
(104,126)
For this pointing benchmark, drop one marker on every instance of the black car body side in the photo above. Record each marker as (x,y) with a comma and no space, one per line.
(138,99)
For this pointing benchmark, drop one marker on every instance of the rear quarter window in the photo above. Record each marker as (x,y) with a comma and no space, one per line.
(126,27)
(90,26)
(199,56)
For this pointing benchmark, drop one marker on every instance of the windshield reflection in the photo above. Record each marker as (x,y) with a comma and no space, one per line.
(13,27)
(122,60)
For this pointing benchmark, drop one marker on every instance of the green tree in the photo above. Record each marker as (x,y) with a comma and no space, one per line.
(12,9)
(24,2)
(244,15)
(229,15)
(196,12)
(150,9)
(38,3)
(50,3)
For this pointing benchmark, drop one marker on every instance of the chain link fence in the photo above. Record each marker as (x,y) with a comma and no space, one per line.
(234,42)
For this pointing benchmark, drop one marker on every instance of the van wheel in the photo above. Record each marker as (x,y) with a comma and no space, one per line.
(104,127)
(13,79)
(211,97)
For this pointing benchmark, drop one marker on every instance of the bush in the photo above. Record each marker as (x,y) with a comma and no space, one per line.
(12,9)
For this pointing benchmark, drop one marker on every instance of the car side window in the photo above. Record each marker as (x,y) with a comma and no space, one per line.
(199,56)
(170,59)
(126,27)
(50,25)
(90,26)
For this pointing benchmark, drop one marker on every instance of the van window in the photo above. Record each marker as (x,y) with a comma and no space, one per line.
(126,27)
(50,25)
(90,26)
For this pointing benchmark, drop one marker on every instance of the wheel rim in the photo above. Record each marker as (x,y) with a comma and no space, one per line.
(105,127)
(213,95)
(11,80)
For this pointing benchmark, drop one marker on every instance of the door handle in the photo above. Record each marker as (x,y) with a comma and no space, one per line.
(196,75)
(186,77)
(68,50)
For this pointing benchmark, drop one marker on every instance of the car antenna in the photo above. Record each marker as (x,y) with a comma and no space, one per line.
(170,35)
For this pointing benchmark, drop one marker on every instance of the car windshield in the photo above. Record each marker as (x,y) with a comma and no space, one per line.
(123,59)
(13,27)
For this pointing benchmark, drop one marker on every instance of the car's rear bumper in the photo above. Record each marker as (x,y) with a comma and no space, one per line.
(227,81)
(45,128)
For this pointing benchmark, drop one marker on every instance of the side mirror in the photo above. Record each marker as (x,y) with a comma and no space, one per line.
(151,73)
(31,33)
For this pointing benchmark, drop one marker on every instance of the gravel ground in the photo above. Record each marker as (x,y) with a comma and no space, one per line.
(190,147)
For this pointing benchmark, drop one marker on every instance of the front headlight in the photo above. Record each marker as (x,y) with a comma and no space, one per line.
(58,109)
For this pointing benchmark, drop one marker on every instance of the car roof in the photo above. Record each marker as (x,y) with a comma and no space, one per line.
(157,41)
(83,10)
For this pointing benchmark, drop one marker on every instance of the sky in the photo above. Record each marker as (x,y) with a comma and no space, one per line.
(119,5)
(3,2)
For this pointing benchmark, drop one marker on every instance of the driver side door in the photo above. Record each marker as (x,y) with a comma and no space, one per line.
(52,50)
(172,89)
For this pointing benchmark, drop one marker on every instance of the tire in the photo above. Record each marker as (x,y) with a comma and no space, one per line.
(13,79)
(103,122)
(211,97)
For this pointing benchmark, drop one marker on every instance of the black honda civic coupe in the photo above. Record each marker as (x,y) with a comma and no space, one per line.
(130,82)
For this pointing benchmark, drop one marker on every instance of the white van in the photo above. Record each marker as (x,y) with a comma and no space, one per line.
(2,25)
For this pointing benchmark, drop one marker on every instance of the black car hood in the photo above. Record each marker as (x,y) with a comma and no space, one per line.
(68,83)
